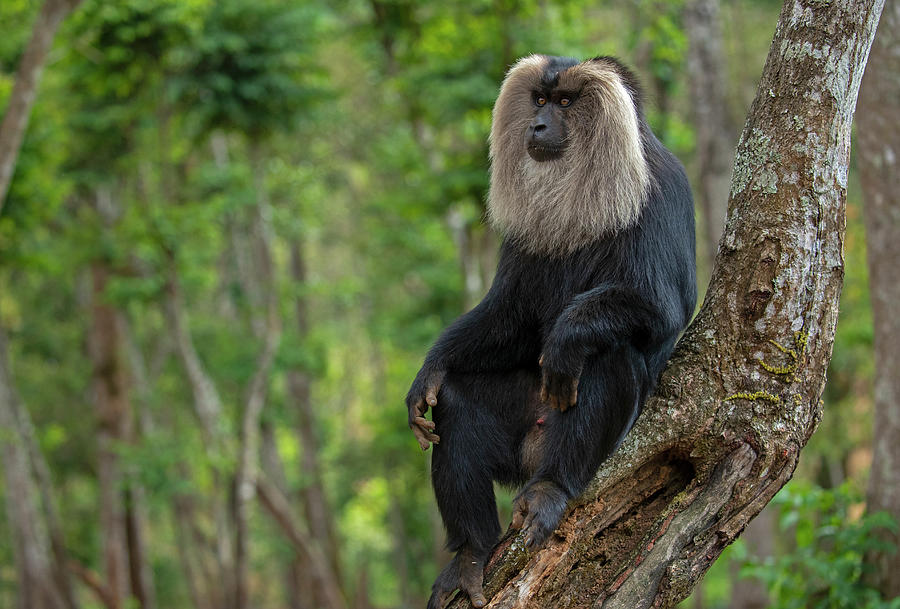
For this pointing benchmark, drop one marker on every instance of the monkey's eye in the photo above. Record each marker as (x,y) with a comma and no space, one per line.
(565,101)
(540,100)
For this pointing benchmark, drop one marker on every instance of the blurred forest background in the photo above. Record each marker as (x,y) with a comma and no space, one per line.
(234,228)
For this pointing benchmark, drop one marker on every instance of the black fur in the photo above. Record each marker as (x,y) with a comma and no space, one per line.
(608,315)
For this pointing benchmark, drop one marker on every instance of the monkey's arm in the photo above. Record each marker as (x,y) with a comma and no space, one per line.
(594,322)
(491,337)
(494,336)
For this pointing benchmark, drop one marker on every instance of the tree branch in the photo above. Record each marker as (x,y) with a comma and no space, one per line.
(28,75)
(278,507)
(90,579)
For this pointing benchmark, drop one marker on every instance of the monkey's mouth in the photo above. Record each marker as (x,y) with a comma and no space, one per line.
(545,153)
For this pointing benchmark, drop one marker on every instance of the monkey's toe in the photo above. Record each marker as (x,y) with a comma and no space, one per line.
(471,578)
(537,512)
(537,533)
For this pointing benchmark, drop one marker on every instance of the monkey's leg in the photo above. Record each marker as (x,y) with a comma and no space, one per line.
(611,391)
(474,418)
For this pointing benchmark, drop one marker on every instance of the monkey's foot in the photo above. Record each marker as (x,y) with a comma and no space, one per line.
(465,572)
(537,511)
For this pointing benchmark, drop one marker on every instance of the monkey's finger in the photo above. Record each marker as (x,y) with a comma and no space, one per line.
(421,439)
(431,396)
(424,431)
(556,400)
(541,360)
(529,531)
(425,423)
(417,409)
(520,510)
(476,594)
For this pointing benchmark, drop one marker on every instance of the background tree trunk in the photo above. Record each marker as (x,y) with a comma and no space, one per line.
(313,497)
(759,538)
(712,125)
(879,145)
(247,466)
(41,559)
(113,425)
(21,100)
(208,408)
(38,582)
(741,395)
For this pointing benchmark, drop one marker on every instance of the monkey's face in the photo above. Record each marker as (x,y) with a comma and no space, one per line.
(546,136)
(567,161)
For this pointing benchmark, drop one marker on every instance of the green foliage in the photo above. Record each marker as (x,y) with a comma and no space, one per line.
(826,567)
(161,125)
(249,68)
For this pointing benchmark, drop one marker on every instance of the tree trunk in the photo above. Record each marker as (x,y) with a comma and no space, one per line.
(714,130)
(314,499)
(39,586)
(879,144)
(741,396)
(140,573)
(113,429)
(208,408)
(759,538)
(21,100)
(715,135)
(245,476)
(298,590)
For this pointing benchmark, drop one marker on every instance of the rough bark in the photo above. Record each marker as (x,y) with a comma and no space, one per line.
(714,131)
(741,395)
(113,412)
(28,75)
(879,144)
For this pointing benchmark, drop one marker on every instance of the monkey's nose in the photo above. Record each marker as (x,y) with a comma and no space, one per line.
(540,134)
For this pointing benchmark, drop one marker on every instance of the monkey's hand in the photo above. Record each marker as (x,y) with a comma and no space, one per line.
(559,388)
(423,394)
